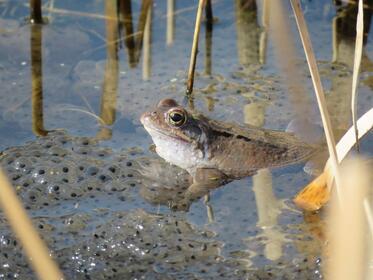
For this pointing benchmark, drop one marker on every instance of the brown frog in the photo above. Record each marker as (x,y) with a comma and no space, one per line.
(215,152)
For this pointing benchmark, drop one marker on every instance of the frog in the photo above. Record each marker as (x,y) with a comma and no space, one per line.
(215,152)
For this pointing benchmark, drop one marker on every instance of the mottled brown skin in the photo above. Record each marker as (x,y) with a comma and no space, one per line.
(215,152)
(248,148)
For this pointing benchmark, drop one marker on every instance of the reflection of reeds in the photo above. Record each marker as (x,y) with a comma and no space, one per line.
(37,80)
(35,11)
(145,6)
(110,87)
(125,14)
(268,208)
(208,37)
(33,246)
(170,22)
(263,34)
(147,60)
(247,32)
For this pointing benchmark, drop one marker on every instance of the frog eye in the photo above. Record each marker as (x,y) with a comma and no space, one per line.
(177,117)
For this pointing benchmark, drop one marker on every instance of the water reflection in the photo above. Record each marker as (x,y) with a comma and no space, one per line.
(35,12)
(110,84)
(247,32)
(147,60)
(208,37)
(344,33)
(170,33)
(36,39)
(125,16)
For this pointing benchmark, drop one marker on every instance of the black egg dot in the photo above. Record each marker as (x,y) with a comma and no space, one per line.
(41,171)
(65,169)
(102,177)
(112,169)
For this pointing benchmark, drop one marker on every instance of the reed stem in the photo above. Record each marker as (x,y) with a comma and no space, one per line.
(357,62)
(31,242)
(312,64)
(193,56)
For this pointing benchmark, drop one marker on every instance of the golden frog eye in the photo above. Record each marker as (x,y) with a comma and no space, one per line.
(177,117)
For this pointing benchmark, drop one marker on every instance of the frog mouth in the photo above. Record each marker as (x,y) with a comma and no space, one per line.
(151,130)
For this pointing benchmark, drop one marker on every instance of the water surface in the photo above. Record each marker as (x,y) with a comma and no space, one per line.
(71,96)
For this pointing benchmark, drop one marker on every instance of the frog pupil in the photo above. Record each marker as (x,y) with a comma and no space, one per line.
(176,117)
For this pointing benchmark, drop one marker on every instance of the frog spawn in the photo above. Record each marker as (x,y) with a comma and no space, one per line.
(55,176)
(58,168)
(85,201)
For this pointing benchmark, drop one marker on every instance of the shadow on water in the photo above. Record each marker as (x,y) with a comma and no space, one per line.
(100,196)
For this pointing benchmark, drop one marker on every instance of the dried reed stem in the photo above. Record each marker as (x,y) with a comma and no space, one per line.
(34,247)
(193,56)
(357,62)
(302,27)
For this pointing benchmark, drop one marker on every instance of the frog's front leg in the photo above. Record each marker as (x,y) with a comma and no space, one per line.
(204,180)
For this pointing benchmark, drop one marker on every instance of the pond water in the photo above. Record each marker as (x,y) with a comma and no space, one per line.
(73,89)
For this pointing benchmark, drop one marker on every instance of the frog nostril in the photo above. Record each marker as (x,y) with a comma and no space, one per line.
(153,113)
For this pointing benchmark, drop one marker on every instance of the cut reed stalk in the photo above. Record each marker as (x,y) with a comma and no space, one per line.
(311,60)
(193,55)
(32,244)
(357,62)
